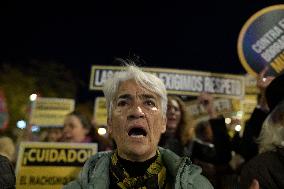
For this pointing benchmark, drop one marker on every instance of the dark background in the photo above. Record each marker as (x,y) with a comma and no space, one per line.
(193,35)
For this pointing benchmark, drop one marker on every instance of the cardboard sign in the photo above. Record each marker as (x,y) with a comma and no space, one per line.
(50,111)
(261,41)
(249,103)
(100,111)
(43,165)
(251,85)
(197,111)
(181,82)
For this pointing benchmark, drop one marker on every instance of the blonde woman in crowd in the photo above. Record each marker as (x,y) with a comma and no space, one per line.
(179,130)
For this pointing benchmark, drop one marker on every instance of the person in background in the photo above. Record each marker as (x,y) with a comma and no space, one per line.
(7,174)
(137,105)
(214,131)
(212,146)
(266,170)
(7,163)
(53,134)
(78,128)
(247,145)
(178,134)
(7,148)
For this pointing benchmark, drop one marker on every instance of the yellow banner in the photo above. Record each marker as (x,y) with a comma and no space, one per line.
(251,85)
(50,111)
(43,165)
(100,112)
(249,104)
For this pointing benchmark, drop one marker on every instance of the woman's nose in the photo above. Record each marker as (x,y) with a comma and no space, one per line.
(136,112)
(171,110)
(66,129)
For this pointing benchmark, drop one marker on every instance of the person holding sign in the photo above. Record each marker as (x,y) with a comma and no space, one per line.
(268,166)
(247,145)
(137,105)
(212,146)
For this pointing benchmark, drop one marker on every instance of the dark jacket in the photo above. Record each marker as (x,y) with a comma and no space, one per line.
(7,174)
(219,151)
(214,157)
(247,146)
(267,168)
(172,142)
(221,141)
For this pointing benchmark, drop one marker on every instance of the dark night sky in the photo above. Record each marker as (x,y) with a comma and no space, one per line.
(194,36)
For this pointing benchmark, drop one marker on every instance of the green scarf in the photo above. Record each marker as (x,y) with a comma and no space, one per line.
(154,177)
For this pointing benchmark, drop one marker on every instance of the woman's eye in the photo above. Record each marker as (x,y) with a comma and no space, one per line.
(176,109)
(150,103)
(121,103)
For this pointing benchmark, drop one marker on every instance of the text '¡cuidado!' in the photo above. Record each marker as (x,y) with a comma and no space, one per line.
(55,157)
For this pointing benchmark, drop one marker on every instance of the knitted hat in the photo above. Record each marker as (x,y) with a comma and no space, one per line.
(275,92)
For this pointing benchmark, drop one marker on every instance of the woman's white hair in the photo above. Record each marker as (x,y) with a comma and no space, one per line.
(272,133)
(147,80)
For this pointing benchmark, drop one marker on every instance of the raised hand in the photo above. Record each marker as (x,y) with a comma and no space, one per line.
(262,80)
(207,101)
(262,83)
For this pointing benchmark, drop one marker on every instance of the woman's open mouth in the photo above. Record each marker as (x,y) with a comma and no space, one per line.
(137,132)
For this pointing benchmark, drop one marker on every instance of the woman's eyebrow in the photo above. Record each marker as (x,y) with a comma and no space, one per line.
(147,96)
(142,96)
(124,96)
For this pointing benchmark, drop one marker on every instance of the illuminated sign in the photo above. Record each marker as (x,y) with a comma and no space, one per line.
(181,82)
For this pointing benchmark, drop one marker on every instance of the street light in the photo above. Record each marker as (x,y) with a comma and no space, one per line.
(238,128)
(102,131)
(21,124)
(228,120)
(33,97)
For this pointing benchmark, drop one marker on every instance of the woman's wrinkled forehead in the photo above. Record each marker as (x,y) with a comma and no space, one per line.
(133,88)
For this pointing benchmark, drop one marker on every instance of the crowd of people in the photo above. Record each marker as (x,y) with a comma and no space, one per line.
(154,143)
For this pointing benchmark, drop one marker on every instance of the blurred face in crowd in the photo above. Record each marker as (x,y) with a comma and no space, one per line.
(54,134)
(208,134)
(136,121)
(173,115)
(73,129)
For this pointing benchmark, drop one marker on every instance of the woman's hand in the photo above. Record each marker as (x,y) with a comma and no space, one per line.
(207,101)
(262,83)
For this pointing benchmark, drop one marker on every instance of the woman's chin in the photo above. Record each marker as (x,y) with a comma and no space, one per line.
(172,126)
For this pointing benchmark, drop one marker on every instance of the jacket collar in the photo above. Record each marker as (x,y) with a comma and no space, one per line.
(96,170)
